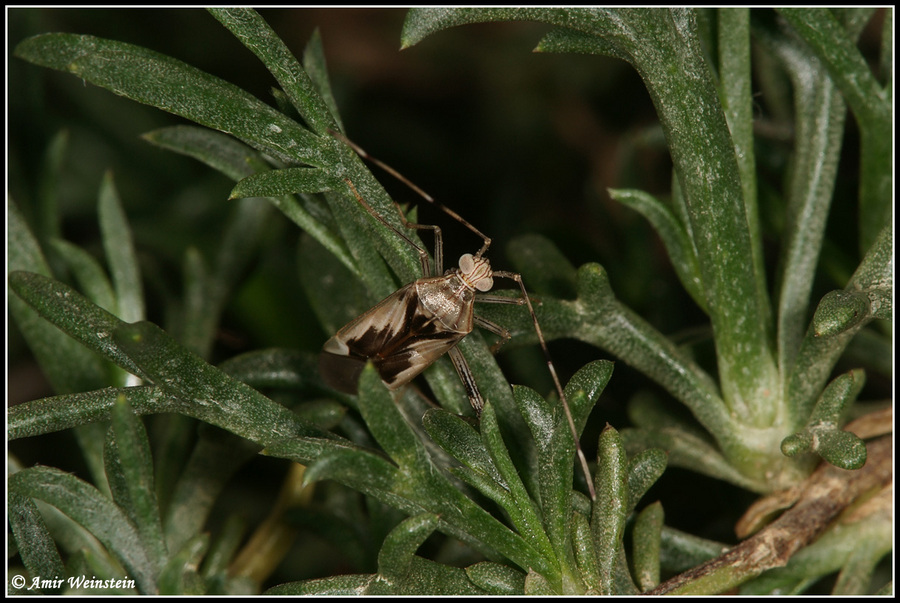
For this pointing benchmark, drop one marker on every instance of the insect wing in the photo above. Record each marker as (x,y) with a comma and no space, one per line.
(399,336)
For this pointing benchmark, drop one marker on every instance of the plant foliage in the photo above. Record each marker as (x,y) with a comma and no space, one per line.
(764,411)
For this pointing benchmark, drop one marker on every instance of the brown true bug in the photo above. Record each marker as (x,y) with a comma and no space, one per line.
(407,331)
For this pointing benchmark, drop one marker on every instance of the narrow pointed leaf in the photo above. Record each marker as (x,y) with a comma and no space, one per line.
(258,36)
(121,256)
(396,556)
(37,549)
(83,503)
(674,237)
(131,455)
(73,314)
(150,78)
(609,514)
(281,182)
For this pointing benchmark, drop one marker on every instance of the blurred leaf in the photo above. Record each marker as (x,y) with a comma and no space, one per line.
(39,553)
(128,460)
(83,503)
(120,254)
(674,237)
(123,69)
(179,576)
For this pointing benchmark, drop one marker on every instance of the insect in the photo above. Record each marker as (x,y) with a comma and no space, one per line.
(407,331)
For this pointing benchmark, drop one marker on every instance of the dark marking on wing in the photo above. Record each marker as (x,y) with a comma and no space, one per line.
(399,336)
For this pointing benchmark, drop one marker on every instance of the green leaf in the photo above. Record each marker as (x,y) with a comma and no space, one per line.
(77,317)
(461,441)
(543,266)
(88,273)
(325,279)
(350,584)
(255,34)
(280,182)
(23,248)
(736,95)
(48,415)
(127,457)
(207,293)
(179,576)
(83,503)
(647,532)
(871,105)
(208,393)
(278,368)
(36,547)
(496,578)
(597,317)
(219,151)
(430,578)
(875,272)
(168,84)
(839,312)
(388,426)
(585,553)
(314,65)
(609,511)
(681,551)
(860,568)
(822,434)
(214,459)
(840,318)
(224,547)
(555,449)
(525,515)
(848,68)
(643,470)
(199,314)
(120,254)
(400,546)
(48,218)
(674,237)
(591,379)
(362,470)
(819,113)
(686,449)
(67,365)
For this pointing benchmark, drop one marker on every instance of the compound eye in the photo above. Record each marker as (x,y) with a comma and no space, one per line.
(484,284)
(466,263)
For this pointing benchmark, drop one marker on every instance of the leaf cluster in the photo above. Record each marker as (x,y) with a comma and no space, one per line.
(765,410)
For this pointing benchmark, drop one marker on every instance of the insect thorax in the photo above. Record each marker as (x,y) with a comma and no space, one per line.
(449,299)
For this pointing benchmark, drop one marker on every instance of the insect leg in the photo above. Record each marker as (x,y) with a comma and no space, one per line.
(465,375)
(438,243)
(362,153)
(559,388)
(494,328)
(423,255)
(499,299)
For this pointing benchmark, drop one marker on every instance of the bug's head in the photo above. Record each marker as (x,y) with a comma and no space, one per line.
(476,272)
